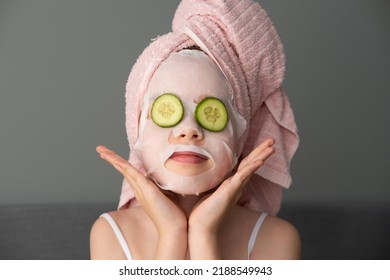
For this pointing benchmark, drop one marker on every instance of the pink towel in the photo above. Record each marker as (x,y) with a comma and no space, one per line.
(241,39)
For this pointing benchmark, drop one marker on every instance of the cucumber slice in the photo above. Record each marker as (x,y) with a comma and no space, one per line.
(167,110)
(211,114)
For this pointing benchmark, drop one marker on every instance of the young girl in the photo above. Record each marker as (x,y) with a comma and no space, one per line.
(211,137)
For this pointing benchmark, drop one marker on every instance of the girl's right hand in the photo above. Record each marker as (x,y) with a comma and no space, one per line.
(166,215)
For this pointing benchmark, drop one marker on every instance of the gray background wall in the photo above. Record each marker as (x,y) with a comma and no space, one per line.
(64,64)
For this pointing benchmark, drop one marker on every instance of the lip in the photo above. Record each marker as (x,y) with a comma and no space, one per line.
(188,157)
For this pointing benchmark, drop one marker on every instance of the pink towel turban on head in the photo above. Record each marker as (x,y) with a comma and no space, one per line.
(241,39)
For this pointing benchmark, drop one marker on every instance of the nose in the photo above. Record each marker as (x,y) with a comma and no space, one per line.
(187,132)
(190,134)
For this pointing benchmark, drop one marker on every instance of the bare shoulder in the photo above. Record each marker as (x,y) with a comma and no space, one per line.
(103,242)
(277,239)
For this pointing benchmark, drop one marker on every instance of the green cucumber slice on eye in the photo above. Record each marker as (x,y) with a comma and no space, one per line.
(211,114)
(167,110)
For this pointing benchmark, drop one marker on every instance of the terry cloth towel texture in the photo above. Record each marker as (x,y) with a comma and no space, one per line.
(239,36)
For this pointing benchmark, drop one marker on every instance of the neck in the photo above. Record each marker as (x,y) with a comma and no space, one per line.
(188,202)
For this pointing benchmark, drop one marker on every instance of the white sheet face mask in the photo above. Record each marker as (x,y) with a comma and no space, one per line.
(188,159)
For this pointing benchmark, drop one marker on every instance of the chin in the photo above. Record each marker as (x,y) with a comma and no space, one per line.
(185,190)
(197,184)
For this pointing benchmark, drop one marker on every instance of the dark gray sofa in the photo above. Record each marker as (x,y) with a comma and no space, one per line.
(328,231)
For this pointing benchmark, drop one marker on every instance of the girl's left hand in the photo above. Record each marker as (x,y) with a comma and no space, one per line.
(207,217)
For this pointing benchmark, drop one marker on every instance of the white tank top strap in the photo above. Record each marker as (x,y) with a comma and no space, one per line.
(255,232)
(118,234)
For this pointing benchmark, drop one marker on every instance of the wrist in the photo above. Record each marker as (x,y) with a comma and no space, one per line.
(173,234)
(203,244)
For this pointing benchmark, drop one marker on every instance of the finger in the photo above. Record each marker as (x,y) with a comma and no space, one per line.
(111,157)
(107,154)
(259,149)
(244,173)
(259,155)
(265,154)
(101,148)
(119,163)
(233,185)
(246,169)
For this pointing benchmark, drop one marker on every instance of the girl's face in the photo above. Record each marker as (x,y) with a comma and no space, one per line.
(188,159)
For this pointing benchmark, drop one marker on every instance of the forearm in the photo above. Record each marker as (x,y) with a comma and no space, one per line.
(203,245)
(172,246)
